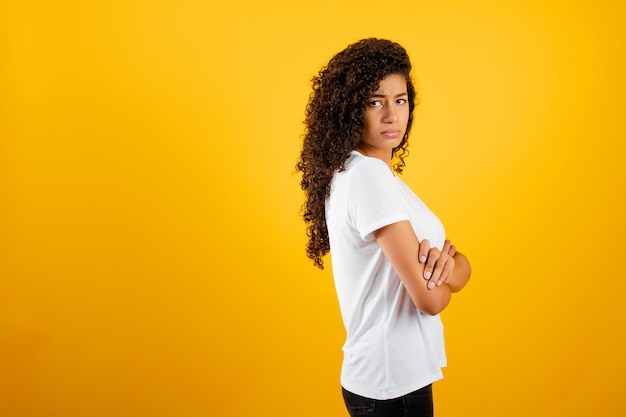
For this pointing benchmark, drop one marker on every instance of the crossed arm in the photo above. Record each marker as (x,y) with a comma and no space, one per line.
(430,277)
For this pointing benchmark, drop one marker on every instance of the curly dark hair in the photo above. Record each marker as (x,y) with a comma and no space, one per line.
(334,124)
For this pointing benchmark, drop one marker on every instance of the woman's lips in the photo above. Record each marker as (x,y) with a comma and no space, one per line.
(390,133)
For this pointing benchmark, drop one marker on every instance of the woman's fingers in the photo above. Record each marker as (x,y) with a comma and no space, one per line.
(439,264)
(449,248)
(446,271)
(429,268)
(442,270)
(423,252)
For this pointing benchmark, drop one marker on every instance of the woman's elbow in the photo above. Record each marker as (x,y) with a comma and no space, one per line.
(432,310)
(437,303)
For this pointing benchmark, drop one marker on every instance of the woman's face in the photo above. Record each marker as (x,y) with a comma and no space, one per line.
(386,117)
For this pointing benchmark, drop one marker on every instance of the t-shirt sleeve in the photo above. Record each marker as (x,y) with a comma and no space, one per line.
(374,198)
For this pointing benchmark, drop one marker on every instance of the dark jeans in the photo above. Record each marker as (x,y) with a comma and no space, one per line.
(416,404)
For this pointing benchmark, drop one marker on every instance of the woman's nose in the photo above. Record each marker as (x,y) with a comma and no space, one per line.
(391,116)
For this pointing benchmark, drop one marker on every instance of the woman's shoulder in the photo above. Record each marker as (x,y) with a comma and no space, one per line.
(367,171)
(358,161)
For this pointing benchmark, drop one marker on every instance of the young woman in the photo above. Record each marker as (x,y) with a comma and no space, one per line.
(390,286)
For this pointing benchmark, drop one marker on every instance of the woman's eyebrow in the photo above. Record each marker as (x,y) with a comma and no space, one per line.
(383,96)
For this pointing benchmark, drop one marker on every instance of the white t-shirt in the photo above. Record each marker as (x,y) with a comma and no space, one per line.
(391,348)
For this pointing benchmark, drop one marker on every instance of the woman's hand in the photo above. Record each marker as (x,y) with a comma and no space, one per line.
(439,264)
(449,248)
(402,248)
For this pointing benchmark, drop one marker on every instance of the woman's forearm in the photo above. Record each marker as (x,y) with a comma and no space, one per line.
(460,274)
(399,244)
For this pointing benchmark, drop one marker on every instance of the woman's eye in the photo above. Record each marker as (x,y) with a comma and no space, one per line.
(401,101)
(375,103)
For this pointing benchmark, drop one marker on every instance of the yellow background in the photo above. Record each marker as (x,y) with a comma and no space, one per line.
(151,250)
